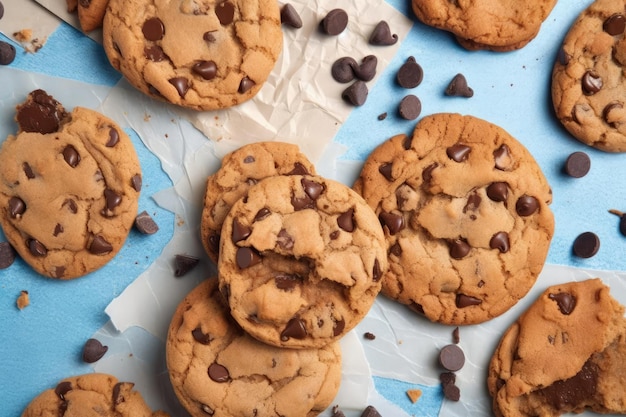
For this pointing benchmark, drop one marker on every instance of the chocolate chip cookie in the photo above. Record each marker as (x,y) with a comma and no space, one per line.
(89,395)
(200,54)
(588,88)
(301,260)
(566,353)
(218,369)
(69,187)
(464,207)
(496,25)
(91,14)
(240,170)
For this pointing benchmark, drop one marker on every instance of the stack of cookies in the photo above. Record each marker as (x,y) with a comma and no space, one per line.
(300,262)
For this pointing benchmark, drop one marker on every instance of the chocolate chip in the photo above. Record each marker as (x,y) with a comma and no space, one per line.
(63,388)
(369,336)
(36,248)
(342,69)
(71,205)
(287,282)
(591,83)
(410,74)
(301,203)
(183,264)
(290,17)
(40,114)
(459,248)
(573,392)
(381,35)
(427,173)
(205,69)
(337,412)
(622,220)
(247,257)
(262,214)
(145,224)
(502,157)
(225,12)
(119,390)
(370,411)
(500,241)
(209,36)
(335,22)
(7,255)
(456,338)
(136,182)
(451,392)
(608,109)
(396,249)
(410,107)
(7,53)
(112,199)
(458,152)
(563,57)
(339,327)
(565,301)
(392,221)
(201,337)
(526,205)
(451,357)
(458,87)
(386,171)
(356,94)
(366,71)
(1,10)
(208,410)
(312,189)
(498,191)
(240,231)
(382,116)
(447,378)
(377,273)
(577,165)
(114,138)
(245,85)
(28,171)
(473,202)
(154,53)
(71,156)
(100,246)
(463,301)
(284,240)
(17,207)
(586,245)
(153,29)
(218,373)
(295,329)
(615,24)
(93,350)
(346,221)
(181,84)
(58,229)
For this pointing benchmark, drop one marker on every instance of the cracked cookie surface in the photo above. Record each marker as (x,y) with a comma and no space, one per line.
(200,54)
(90,395)
(566,353)
(241,169)
(588,85)
(217,369)
(464,207)
(69,187)
(301,260)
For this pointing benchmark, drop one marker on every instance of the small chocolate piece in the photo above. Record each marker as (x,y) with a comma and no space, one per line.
(498,191)
(181,84)
(335,22)
(7,53)
(287,282)
(458,87)
(145,224)
(500,241)
(451,392)
(136,182)
(410,107)
(458,152)
(290,17)
(577,165)
(1,10)
(346,221)
(225,12)
(565,301)
(451,357)
(382,116)
(218,373)
(63,388)
(370,411)
(356,94)
(502,157)
(28,171)
(366,71)
(247,257)
(7,255)
(615,24)
(201,337)
(71,156)
(410,74)
(205,69)
(114,138)
(183,264)
(17,207)
(456,338)
(392,221)
(240,231)
(610,108)
(386,170)
(459,248)
(154,53)
(36,248)
(622,220)
(381,35)
(463,301)
(586,245)
(526,205)
(342,69)
(153,29)
(41,113)
(369,336)
(295,329)
(100,246)
(337,412)
(93,350)
(245,85)
(591,83)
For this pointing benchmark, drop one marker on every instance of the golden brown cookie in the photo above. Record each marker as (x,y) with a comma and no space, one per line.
(69,187)
(301,260)
(566,353)
(201,54)
(464,207)
(240,170)
(588,87)
(91,395)
(497,25)
(217,369)
(91,14)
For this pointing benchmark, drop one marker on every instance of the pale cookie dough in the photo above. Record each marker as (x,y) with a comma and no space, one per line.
(565,354)
(465,211)
(200,54)
(301,260)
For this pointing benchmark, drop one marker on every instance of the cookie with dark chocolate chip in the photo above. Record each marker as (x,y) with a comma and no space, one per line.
(241,169)
(565,354)
(218,369)
(91,14)
(464,207)
(588,88)
(204,55)
(91,394)
(69,187)
(301,260)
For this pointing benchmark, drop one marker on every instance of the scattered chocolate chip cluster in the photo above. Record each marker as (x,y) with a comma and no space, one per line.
(452,359)
(370,411)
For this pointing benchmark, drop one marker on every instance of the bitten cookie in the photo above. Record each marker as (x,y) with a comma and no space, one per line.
(69,187)
(91,14)
(204,54)
(588,87)
(89,395)
(301,260)
(218,369)
(566,353)
(240,170)
(486,24)
(464,207)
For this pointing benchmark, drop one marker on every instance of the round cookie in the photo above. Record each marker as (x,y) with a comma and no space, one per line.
(566,353)
(217,369)
(588,87)
(496,25)
(240,170)
(464,207)
(69,187)
(301,260)
(200,54)
(89,395)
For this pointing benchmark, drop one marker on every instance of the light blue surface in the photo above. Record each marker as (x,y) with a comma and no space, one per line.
(395,391)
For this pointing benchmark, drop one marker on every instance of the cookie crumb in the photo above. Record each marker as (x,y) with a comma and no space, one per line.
(414,395)
(369,336)
(23,300)
(24,35)
(184,264)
